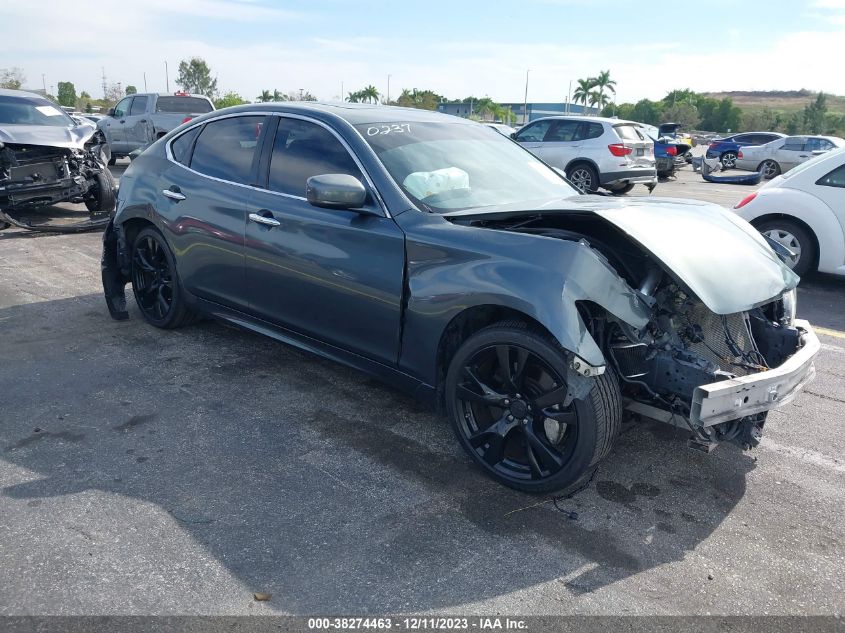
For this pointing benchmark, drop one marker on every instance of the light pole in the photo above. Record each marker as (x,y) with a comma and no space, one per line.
(166,76)
(44,82)
(301,90)
(525,102)
(388,90)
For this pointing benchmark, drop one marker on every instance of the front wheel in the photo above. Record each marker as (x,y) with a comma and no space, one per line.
(101,197)
(505,391)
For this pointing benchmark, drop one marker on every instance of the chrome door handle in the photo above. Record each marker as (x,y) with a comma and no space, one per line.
(173,195)
(260,219)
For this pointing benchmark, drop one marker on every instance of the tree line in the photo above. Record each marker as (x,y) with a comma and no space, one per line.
(690,109)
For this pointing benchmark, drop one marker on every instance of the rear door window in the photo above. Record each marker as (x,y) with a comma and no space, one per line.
(183,105)
(139,106)
(225,148)
(534,133)
(562,131)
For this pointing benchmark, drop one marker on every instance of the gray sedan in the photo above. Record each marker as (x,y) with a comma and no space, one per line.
(781,155)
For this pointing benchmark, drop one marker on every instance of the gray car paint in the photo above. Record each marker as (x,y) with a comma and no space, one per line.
(450,268)
(71,137)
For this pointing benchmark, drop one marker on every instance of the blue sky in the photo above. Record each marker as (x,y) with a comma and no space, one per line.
(454,48)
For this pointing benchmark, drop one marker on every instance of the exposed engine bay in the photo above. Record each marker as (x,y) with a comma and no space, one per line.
(33,176)
(685,345)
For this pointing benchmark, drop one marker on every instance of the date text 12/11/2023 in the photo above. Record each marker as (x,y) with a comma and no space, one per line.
(418,624)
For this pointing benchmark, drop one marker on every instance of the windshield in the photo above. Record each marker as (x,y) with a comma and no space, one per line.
(32,111)
(452,166)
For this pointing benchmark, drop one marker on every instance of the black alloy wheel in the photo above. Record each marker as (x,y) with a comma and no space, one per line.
(155,283)
(505,392)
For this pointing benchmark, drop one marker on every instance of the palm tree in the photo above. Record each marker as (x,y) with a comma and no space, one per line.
(605,84)
(582,91)
(264,97)
(598,99)
(370,94)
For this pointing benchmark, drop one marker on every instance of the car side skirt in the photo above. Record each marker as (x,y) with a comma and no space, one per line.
(387,374)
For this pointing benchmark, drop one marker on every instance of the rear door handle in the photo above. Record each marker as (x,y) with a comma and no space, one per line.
(143,120)
(173,195)
(261,219)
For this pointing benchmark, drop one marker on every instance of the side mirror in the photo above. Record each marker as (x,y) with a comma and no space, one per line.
(513,135)
(335,191)
(110,112)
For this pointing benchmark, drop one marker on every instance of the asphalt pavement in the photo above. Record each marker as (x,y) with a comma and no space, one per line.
(177,472)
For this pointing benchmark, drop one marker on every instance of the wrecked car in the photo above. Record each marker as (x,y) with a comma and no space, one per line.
(46,157)
(451,263)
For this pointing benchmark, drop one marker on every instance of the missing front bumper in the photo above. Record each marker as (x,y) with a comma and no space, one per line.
(748,395)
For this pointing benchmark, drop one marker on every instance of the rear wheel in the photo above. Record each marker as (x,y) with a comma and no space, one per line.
(769,168)
(728,160)
(794,237)
(584,177)
(155,283)
(505,392)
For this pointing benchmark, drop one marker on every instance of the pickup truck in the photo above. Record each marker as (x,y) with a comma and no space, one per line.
(139,119)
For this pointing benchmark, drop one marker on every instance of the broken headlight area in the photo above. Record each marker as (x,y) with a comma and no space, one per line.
(34,176)
(688,350)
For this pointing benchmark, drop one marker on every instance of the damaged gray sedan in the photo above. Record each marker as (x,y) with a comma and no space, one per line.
(47,157)
(453,264)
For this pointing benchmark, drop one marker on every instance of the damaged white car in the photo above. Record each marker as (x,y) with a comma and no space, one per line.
(46,157)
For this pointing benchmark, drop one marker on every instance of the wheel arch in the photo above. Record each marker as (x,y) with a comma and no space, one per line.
(466,323)
(583,160)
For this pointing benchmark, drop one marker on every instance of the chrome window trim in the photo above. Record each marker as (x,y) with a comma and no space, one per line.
(169,154)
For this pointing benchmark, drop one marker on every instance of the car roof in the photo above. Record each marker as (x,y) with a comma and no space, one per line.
(583,117)
(353,113)
(7,92)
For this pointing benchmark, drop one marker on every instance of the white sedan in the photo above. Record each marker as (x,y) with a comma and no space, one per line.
(804,210)
(783,154)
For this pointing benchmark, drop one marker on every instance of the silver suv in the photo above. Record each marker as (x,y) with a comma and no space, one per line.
(593,151)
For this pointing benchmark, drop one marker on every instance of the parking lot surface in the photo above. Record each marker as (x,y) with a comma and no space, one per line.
(162,472)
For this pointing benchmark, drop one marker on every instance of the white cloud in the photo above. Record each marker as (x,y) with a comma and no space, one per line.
(129,40)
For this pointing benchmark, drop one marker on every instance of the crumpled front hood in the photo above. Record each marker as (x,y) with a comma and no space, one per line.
(47,135)
(717,254)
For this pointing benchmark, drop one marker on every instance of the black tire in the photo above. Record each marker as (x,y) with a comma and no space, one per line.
(584,177)
(621,191)
(101,197)
(541,455)
(728,160)
(770,168)
(155,282)
(796,238)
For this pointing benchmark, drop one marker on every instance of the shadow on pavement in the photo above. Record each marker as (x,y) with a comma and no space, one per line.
(314,483)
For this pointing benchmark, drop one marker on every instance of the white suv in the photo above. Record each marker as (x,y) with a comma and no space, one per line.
(593,151)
